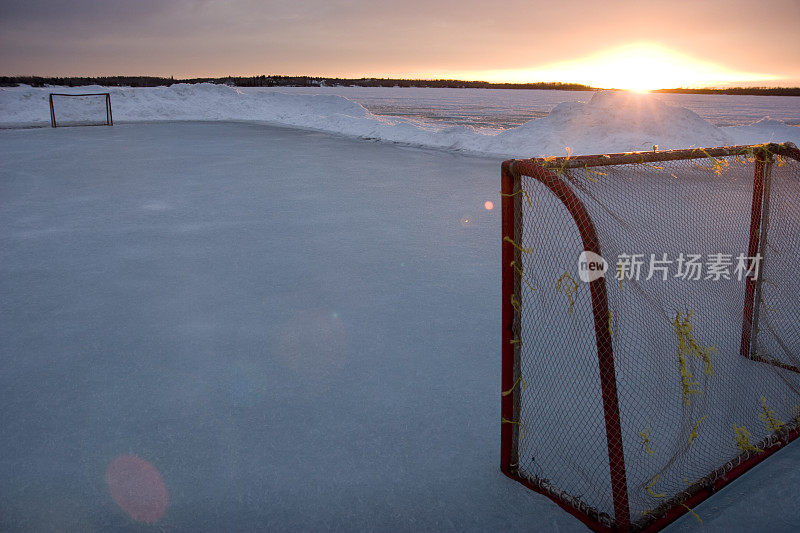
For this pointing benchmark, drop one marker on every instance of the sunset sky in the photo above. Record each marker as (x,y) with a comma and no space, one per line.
(603,43)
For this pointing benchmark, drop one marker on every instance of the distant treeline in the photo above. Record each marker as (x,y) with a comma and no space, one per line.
(763,91)
(277,81)
(310,81)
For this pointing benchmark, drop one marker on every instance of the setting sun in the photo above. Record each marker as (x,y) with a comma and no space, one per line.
(637,67)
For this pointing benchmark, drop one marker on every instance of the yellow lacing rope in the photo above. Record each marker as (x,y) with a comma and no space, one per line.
(516,423)
(610,316)
(693,435)
(515,303)
(517,246)
(768,417)
(649,488)
(746,160)
(514,386)
(521,191)
(750,153)
(689,346)
(686,381)
(646,441)
(521,273)
(589,173)
(718,164)
(656,167)
(695,515)
(515,341)
(560,168)
(743,440)
(568,290)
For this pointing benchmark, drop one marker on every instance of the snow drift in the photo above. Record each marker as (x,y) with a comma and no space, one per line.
(610,121)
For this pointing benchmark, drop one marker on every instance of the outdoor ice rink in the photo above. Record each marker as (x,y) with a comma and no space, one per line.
(298,330)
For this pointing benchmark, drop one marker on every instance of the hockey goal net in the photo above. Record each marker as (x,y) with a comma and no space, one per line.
(632,394)
(89,109)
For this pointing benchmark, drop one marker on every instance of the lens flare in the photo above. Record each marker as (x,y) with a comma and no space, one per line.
(137,487)
(488,205)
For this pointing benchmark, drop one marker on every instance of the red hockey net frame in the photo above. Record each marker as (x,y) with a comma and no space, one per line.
(109,118)
(544,171)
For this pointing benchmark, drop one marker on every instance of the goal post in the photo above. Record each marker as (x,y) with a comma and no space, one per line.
(84,109)
(650,337)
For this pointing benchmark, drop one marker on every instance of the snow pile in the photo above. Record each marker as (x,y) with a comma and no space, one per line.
(617,121)
(765,129)
(609,122)
(614,121)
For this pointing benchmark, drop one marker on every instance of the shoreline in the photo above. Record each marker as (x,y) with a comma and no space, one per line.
(312,81)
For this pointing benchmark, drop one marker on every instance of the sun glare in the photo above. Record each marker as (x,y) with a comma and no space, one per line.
(636,67)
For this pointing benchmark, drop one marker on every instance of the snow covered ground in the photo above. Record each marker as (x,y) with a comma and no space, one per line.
(298,330)
(605,122)
(508,108)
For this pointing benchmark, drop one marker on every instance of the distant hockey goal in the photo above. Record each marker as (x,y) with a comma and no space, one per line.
(88,109)
(650,326)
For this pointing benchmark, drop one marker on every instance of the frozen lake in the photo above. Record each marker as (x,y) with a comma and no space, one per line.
(297,330)
(478,122)
(509,108)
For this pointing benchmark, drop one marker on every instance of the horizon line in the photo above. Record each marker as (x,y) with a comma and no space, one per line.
(17,79)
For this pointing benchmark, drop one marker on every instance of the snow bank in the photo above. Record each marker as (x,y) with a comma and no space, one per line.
(609,122)
(616,121)
(764,130)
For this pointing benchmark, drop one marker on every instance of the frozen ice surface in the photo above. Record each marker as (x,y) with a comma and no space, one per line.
(297,330)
